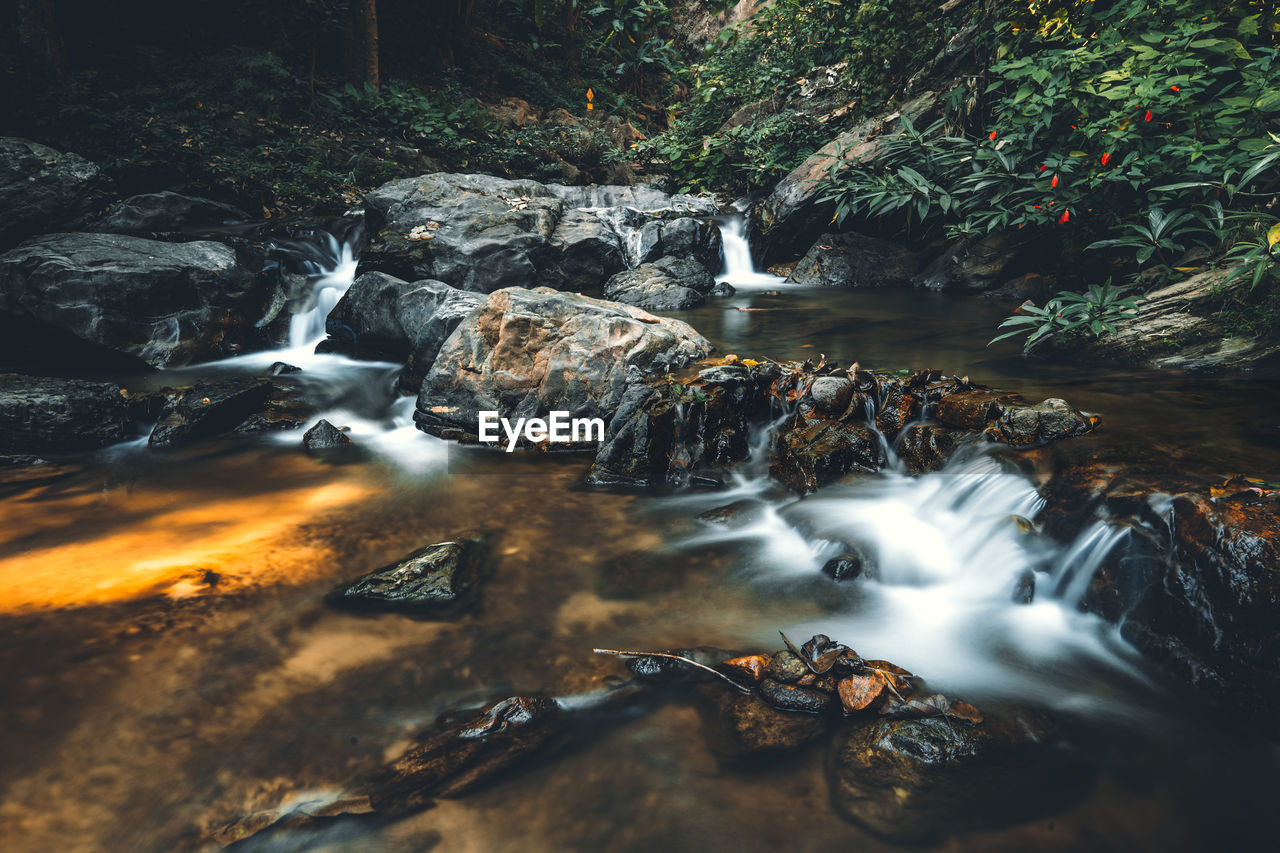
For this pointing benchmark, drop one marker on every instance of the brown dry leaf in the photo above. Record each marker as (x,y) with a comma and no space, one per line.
(858,692)
(750,666)
(896,676)
(965,711)
(820,653)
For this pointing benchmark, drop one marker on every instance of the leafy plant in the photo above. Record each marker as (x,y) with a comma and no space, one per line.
(1160,236)
(1096,312)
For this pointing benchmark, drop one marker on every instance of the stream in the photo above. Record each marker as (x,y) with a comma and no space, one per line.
(150,701)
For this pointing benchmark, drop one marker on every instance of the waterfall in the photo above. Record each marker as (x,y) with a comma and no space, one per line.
(739,269)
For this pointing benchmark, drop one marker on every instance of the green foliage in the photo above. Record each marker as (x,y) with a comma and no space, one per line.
(1093,313)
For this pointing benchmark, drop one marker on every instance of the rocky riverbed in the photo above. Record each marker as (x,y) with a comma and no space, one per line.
(243,473)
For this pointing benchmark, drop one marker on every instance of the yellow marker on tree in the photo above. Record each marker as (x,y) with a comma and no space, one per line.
(590,97)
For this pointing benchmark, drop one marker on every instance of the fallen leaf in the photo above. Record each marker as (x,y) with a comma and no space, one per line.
(858,692)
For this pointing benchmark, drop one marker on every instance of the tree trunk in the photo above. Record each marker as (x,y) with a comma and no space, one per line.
(38,31)
(371,65)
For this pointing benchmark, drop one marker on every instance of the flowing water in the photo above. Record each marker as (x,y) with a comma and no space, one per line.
(170,664)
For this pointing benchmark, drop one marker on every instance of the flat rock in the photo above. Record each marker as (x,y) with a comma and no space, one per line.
(434,579)
(43,414)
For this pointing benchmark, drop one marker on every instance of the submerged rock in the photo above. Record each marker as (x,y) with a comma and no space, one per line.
(845,567)
(667,284)
(466,753)
(740,726)
(167,304)
(324,437)
(42,414)
(42,189)
(381,317)
(209,408)
(434,579)
(855,260)
(525,353)
(916,781)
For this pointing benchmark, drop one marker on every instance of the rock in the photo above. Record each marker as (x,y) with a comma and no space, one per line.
(44,415)
(793,697)
(1024,592)
(436,579)
(974,409)
(667,284)
(384,318)
(918,781)
(514,112)
(987,262)
(280,368)
(741,726)
(667,434)
(786,668)
(167,304)
(324,437)
(166,213)
(1031,426)
(845,567)
(663,670)
(929,447)
(209,408)
(285,409)
(855,260)
(42,189)
(814,454)
(831,395)
(463,755)
(481,233)
(525,353)
(1178,328)
(794,212)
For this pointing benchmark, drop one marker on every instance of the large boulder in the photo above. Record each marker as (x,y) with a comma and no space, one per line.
(481,233)
(166,213)
(790,215)
(916,781)
(524,353)
(42,189)
(855,260)
(667,284)
(39,414)
(987,262)
(165,303)
(382,317)
(209,408)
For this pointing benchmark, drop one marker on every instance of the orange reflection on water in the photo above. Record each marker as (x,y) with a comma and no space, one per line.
(172,548)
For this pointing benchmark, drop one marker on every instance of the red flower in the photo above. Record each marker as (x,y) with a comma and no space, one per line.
(1065,217)
(991,135)
(1106,156)
(1054,181)
(1044,166)
(1147,117)
(1174,89)
(1036,206)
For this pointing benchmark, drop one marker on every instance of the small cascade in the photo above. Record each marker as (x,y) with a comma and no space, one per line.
(1071,575)
(739,268)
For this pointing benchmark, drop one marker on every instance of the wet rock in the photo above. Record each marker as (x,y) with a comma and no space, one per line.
(667,284)
(786,668)
(974,409)
(669,434)
(1024,592)
(855,260)
(794,697)
(436,579)
(831,395)
(729,513)
(666,670)
(987,262)
(525,353)
(794,210)
(1031,426)
(464,754)
(748,668)
(929,447)
(900,405)
(817,453)
(209,408)
(280,368)
(42,189)
(916,781)
(743,726)
(383,318)
(588,251)
(324,437)
(166,213)
(285,409)
(44,415)
(165,303)
(845,567)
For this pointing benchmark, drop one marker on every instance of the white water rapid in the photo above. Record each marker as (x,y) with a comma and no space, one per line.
(739,269)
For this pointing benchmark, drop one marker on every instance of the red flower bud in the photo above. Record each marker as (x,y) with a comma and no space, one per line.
(1147,117)
(1054,181)
(1106,156)
(991,135)
(1044,166)
(1065,217)
(1036,206)
(1175,89)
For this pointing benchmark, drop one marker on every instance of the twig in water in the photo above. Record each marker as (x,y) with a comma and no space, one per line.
(670,656)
